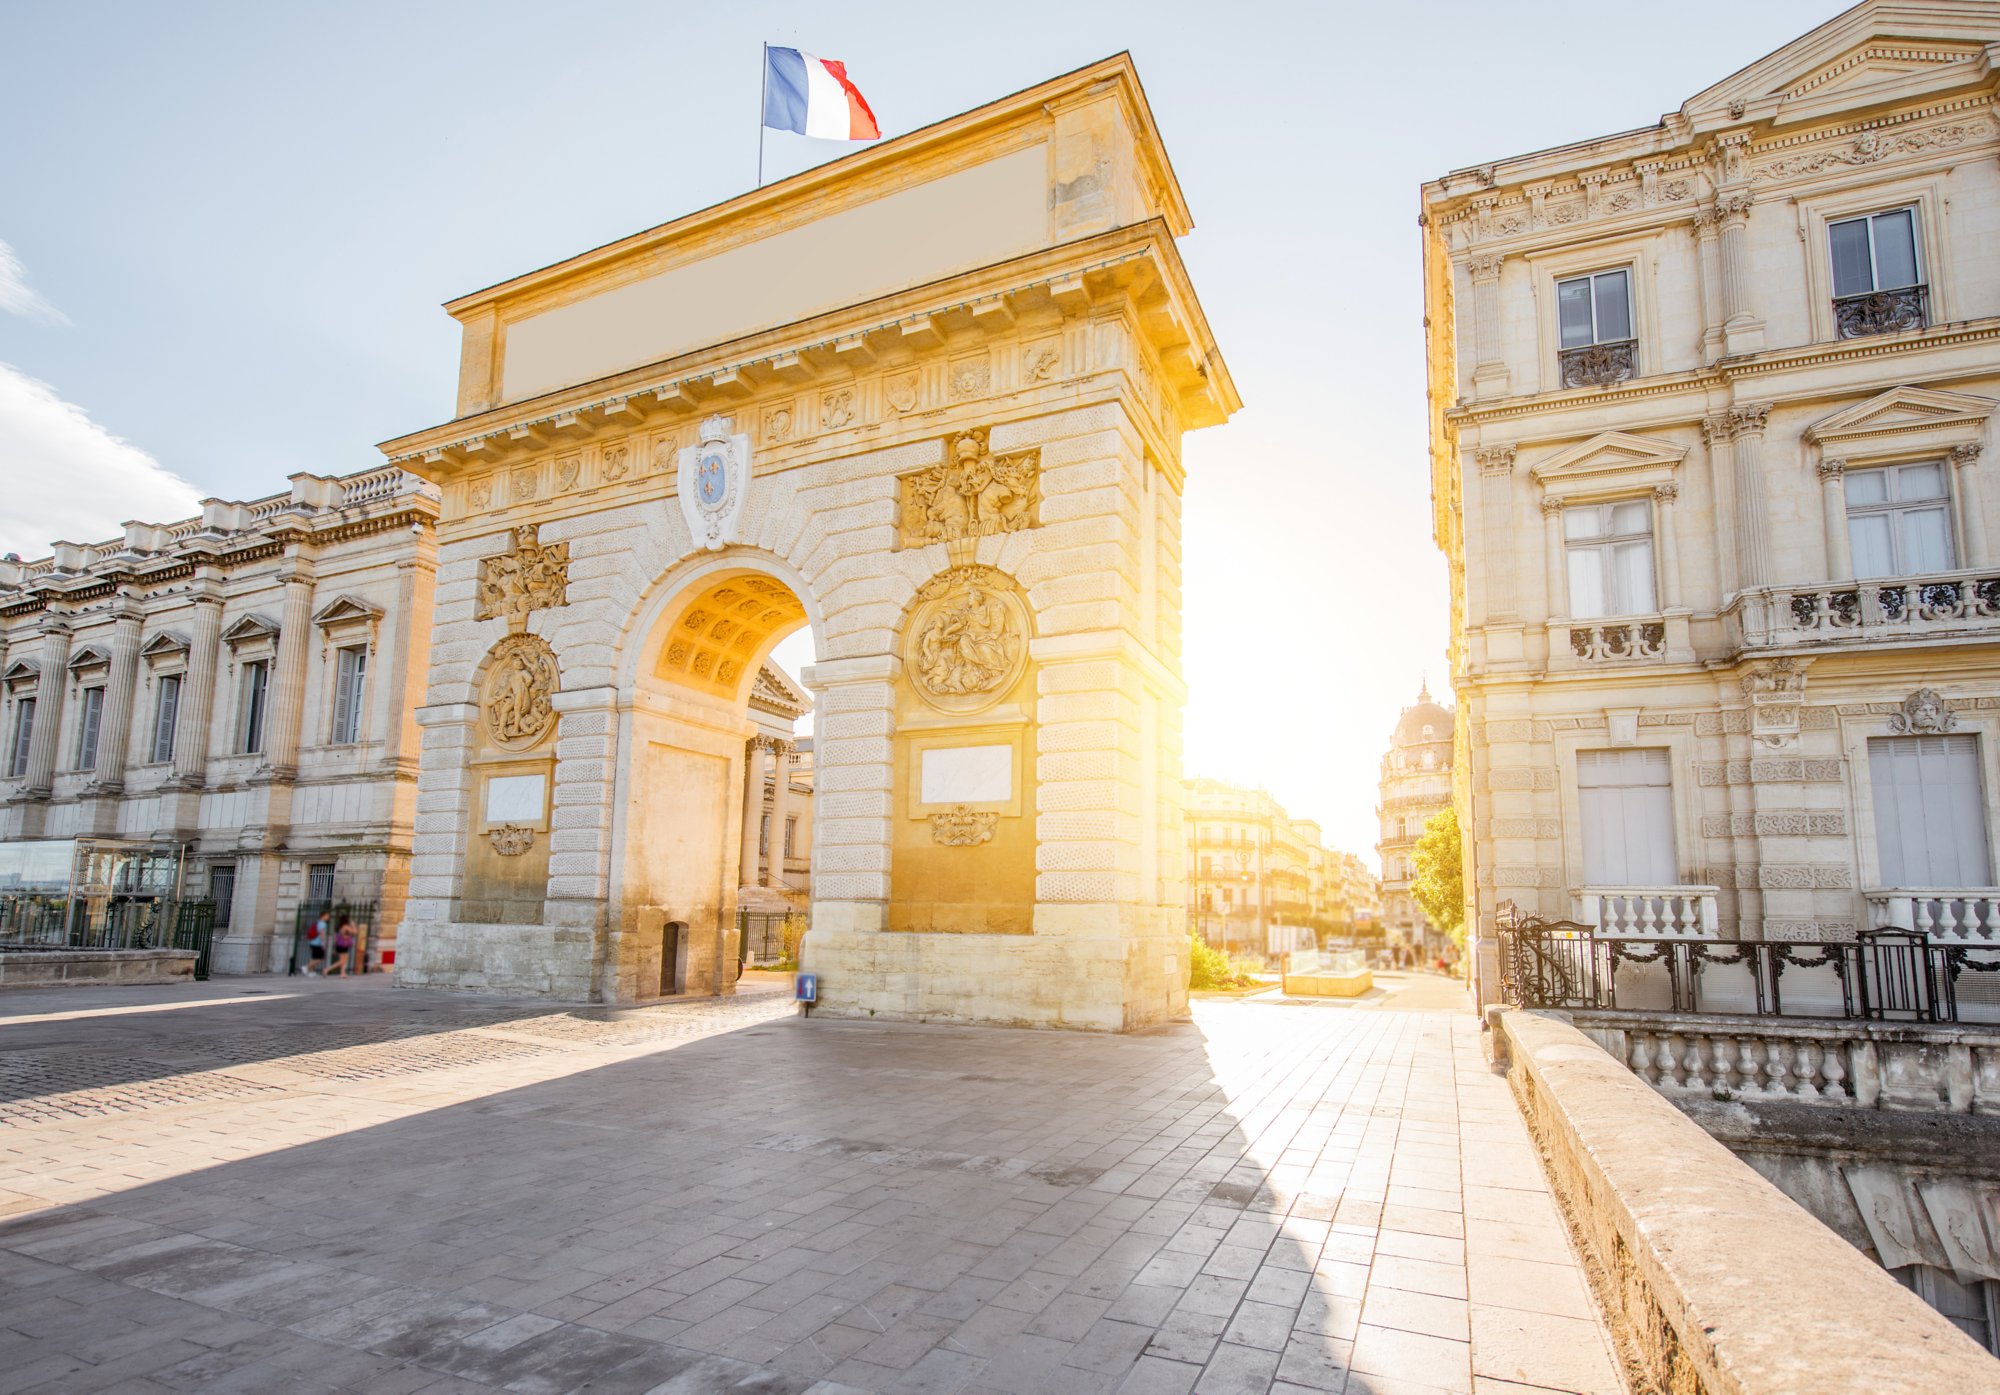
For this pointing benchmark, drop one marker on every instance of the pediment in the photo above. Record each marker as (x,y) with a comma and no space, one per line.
(1610,457)
(1883,45)
(774,691)
(346,610)
(89,656)
(21,670)
(249,629)
(1902,411)
(163,645)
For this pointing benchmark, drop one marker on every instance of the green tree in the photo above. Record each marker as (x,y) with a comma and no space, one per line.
(1439,881)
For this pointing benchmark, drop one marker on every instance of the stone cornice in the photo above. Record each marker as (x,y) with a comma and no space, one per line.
(1139,264)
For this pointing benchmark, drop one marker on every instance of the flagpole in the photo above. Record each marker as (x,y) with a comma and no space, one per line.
(763,95)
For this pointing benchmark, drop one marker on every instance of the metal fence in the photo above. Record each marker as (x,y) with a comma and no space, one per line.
(362,916)
(139,924)
(761,938)
(1882,975)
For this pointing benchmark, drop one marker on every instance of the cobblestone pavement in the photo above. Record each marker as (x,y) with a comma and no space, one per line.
(265,1185)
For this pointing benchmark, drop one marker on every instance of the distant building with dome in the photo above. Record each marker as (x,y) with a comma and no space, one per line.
(1416,783)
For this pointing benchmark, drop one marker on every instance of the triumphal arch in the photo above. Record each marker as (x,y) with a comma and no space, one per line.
(927,400)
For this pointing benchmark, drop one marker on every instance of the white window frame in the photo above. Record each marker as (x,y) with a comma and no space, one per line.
(349,719)
(23,736)
(1604,546)
(166,717)
(1893,508)
(1631,336)
(1923,192)
(253,704)
(1874,274)
(89,733)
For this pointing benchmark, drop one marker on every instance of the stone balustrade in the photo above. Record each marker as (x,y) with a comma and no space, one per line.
(1944,1068)
(1939,605)
(1650,912)
(1949,915)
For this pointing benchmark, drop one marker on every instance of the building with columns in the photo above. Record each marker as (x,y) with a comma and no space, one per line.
(1711,416)
(242,684)
(1415,784)
(777,799)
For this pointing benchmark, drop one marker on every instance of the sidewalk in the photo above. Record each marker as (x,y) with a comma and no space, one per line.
(353,1188)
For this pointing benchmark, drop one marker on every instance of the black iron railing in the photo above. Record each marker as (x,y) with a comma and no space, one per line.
(137,924)
(362,916)
(1882,312)
(1884,975)
(764,938)
(1598,365)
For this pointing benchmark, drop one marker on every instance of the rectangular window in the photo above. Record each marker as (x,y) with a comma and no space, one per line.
(764,837)
(1899,521)
(350,681)
(166,712)
(255,690)
(319,883)
(88,722)
(1595,309)
(1930,811)
(1626,800)
(791,837)
(1610,559)
(222,891)
(24,735)
(1874,253)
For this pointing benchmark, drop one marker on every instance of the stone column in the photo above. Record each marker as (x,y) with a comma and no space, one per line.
(1670,552)
(114,727)
(1708,258)
(748,873)
(1740,323)
(288,677)
(198,694)
(49,690)
(1552,549)
(1496,490)
(1489,361)
(1977,553)
(1833,505)
(1753,526)
(781,804)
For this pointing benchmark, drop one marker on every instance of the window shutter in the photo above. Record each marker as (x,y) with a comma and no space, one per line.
(165,716)
(24,735)
(343,698)
(1626,801)
(1930,811)
(93,717)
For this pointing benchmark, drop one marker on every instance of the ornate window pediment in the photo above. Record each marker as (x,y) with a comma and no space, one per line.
(1844,57)
(1610,462)
(248,630)
(21,673)
(1904,417)
(88,657)
(773,691)
(164,646)
(347,618)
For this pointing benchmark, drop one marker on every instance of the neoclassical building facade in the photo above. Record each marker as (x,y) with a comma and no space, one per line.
(241,684)
(1415,783)
(926,401)
(1712,461)
(1261,882)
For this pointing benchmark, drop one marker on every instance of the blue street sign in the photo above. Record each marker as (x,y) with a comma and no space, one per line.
(806,988)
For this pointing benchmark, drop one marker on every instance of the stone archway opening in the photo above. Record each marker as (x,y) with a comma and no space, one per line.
(706,787)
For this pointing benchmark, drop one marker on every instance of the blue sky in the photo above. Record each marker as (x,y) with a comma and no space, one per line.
(229,228)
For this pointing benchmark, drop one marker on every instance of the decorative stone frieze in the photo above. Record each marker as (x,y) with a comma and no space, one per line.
(511,840)
(968,638)
(973,494)
(517,698)
(527,577)
(963,827)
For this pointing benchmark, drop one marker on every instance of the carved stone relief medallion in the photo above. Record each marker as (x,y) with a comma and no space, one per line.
(617,461)
(967,640)
(837,409)
(974,493)
(510,839)
(517,700)
(963,827)
(568,472)
(528,576)
(970,378)
(1924,713)
(714,481)
(900,391)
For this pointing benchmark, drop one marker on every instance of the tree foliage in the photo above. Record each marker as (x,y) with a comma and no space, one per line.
(1439,881)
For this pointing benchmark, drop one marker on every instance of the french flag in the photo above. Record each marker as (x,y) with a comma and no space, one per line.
(813,97)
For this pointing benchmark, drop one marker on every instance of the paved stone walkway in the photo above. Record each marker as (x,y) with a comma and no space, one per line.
(265,1185)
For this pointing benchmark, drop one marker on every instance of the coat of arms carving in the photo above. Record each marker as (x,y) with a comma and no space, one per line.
(1924,713)
(714,480)
(968,639)
(973,494)
(963,826)
(510,839)
(528,576)
(517,700)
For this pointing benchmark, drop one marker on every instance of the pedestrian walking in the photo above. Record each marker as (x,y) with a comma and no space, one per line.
(317,936)
(343,947)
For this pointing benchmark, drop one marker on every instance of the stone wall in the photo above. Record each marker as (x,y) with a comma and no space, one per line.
(1719,1283)
(94,968)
